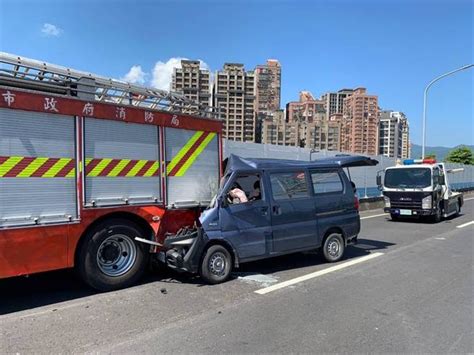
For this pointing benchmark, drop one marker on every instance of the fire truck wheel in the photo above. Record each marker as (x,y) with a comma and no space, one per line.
(110,258)
(216,265)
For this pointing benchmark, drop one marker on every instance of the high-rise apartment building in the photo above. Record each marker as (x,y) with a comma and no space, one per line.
(406,147)
(360,123)
(334,101)
(393,134)
(276,130)
(307,109)
(267,88)
(192,81)
(234,97)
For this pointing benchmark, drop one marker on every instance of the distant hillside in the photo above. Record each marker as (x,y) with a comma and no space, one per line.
(440,152)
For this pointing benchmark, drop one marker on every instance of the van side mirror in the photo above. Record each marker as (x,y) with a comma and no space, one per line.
(379,180)
(442,180)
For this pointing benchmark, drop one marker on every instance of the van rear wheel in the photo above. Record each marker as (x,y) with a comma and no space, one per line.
(333,248)
(216,265)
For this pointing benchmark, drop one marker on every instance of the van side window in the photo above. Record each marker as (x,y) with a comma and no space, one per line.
(326,181)
(245,188)
(289,185)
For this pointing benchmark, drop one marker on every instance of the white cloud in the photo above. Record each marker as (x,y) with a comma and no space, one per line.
(135,75)
(162,72)
(51,30)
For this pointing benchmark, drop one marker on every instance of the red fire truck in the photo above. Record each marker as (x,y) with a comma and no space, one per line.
(94,172)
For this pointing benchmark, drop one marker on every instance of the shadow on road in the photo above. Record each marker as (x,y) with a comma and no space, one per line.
(313,258)
(23,293)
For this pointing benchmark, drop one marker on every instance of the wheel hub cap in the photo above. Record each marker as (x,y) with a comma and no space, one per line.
(217,264)
(333,248)
(116,255)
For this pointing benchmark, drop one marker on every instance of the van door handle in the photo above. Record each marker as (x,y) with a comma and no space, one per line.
(276,210)
(264,210)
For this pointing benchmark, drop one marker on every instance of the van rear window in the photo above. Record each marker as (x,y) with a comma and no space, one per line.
(289,185)
(326,181)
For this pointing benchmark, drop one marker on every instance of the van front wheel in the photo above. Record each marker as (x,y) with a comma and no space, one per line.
(216,265)
(333,248)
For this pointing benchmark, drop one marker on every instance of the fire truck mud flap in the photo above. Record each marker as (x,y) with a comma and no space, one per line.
(184,249)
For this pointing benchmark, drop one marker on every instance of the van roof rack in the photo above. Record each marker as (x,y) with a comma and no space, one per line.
(32,74)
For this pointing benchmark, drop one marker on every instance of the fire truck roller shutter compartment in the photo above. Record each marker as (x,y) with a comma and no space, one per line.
(121,163)
(192,168)
(37,168)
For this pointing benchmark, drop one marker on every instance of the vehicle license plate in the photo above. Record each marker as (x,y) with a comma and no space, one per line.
(405,212)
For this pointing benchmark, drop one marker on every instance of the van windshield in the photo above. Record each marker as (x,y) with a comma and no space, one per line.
(408,178)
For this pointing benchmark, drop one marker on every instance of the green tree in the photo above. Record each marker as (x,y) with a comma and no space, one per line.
(461,154)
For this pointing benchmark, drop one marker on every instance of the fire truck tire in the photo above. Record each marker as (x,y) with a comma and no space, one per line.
(110,258)
(216,265)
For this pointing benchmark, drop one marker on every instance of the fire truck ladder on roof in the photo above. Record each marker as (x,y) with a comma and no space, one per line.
(35,75)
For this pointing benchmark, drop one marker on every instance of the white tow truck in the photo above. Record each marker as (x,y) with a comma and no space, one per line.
(419,188)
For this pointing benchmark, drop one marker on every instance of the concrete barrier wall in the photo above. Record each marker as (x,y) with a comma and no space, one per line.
(363,177)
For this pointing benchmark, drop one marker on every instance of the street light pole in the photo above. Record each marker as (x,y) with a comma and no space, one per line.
(424,102)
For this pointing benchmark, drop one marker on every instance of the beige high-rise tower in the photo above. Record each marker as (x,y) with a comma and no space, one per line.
(192,81)
(234,97)
(360,123)
(267,88)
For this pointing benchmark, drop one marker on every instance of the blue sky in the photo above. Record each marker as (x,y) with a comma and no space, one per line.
(393,48)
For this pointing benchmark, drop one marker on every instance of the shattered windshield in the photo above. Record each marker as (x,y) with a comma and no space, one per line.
(408,178)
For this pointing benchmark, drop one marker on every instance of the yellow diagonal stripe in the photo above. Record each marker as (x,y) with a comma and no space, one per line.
(194,156)
(99,167)
(56,168)
(118,168)
(9,164)
(72,173)
(32,167)
(152,169)
(88,160)
(134,171)
(183,151)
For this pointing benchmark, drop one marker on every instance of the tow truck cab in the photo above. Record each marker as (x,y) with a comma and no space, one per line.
(419,188)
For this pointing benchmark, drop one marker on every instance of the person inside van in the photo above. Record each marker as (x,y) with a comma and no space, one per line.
(256,193)
(237,194)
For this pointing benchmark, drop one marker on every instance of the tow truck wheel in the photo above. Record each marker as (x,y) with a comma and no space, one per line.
(458,209)
(110,258)
(438,216)
(216,265)
(333,247)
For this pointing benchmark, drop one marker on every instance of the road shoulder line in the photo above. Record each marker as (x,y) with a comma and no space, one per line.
(312,275)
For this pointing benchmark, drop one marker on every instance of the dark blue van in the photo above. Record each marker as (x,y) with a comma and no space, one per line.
(270,207)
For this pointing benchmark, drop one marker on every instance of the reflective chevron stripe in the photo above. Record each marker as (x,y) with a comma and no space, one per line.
(43,167)
(189,153)
(106,167)
(27,167)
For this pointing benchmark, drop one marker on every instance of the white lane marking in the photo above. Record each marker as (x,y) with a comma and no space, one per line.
(440,238)
(375,215)
(296,280)
(465,224)
(468,199)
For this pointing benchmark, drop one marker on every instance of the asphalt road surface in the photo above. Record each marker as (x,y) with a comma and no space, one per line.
(406,287)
